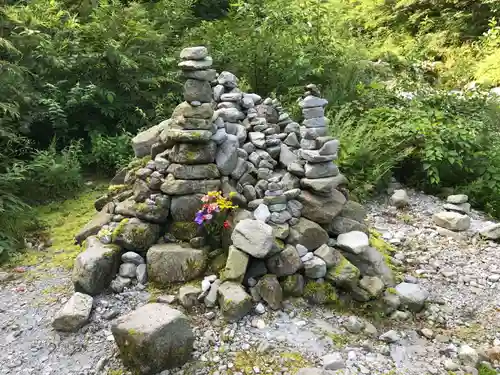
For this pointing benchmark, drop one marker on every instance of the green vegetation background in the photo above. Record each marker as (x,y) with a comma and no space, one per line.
(79,78)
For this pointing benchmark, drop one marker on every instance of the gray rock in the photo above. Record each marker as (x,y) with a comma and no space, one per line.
(173,186)
(354,242)
(194,53)
(451,220)
(184,153)
(281,231)
(343,275)
(287,262)
(232,97)
(195,90)
(286,155)
(202,75)
(188,295)
(331,256)
(211,297)
(134,234)
(193,172)
(74,314)
(310,371)
(373,285)
(296,169)
(184,112)
(183,208)
(93,226)
(280,217)
(292,141)
(342,224)
(313,156)
(127,270)
(330,147)
(412,296)
(269,289)
(322,170)
(231,114)
(320,186)
(353,324)
(204,64)
(308,234)
(120,283)
(220,136)
(141,274)
(333,361)
(153,338)
(390,336)
(315,268)
(313,112)
(400,198)
(228,80)
(253,237)
(491,232)
(290,181)
(294,207)
(95,267)
(171,262)
(262,213)
(131,257)
(319,209)
(236,265)
(301,250)
(143,141)
(234,302)
(468,355)
(312,101)
(249,192)
(240,168)
(227,156)
(457,198)
(461,208)
(371,262)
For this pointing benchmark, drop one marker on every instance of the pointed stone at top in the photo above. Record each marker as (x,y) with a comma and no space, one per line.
(194,53)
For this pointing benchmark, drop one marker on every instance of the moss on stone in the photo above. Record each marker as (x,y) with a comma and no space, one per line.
(184,230)
(339,340)
(119,229)
(244,362)
(116,189)
(320,293)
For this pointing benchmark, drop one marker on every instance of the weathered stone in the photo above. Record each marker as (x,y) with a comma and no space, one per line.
(342,224)
(228,80)
(95,267)
(330,147)
(333,361)
(188,295)
(211,297)
(315,268)
(286,155)
(184,153)
(289,181)
(153,338)
(354,242)
(155,213)
(127,270)
(294,207)
(194,53)
(322,170)
(230,114)
(331,256)
(254,237)
(313,112)
(132,257)
(400,198)
(308,234)
(281,231)
(457,198)
(269,289)
(461,208)
(236,265)
(134,234)
(195,90)
(143,141)
(186,110)
(320,186)
(372,263)
(172,262)
(206,63)
(141,274)
(313,156)
(183,208)
(296,169)
(202,75)
(451,220)
(226,157)
(234,302)
(173,186)
(491,232)
(262,213)
(412,296)
(293,285)
(194,172)
(287,262)
(292,141)
(344,274)
(373,285)
(74,314)
(312,101)
(93,226)
(320,209)
(268,112)
(119,283)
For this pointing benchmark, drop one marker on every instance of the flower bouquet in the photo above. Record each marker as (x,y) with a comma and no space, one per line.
(212,217)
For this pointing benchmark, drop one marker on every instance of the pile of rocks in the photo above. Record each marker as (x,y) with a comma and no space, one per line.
(295,233)
(455,217)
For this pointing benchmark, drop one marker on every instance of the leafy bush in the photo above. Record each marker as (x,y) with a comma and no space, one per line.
(110,153)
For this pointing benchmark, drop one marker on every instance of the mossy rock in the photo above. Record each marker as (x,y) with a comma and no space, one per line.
(184,230)
(320,293)
(134,234)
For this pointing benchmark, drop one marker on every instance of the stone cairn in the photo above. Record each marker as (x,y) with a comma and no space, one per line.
(295,233)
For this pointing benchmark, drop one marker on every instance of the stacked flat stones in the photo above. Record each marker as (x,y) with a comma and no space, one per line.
(455,217)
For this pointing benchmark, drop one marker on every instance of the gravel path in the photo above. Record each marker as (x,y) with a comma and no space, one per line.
(461,272)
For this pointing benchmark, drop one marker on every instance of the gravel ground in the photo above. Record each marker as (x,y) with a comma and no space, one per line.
(461,272)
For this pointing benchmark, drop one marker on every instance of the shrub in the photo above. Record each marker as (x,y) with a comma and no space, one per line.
(110,153)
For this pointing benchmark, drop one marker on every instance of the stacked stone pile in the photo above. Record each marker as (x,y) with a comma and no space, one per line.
(294,234)
(455,217)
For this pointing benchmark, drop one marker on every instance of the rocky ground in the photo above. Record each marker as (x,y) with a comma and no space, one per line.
(461,272)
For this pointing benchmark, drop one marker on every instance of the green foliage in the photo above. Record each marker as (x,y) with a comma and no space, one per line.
(110,153)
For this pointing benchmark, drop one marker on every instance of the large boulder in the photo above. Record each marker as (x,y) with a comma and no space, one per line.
(344,274)
(134,234)
(172,262)
(254,237)
(308,234)
(491,232)
(74,314)
(155,213)
(234,302)
(321,209)
(287,262)
(95,267)
(184,153)
(184,207)
(451,220)
(93,226)
(153,338)
(143,141)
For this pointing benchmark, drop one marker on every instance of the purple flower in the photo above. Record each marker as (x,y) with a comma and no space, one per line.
(199,218)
